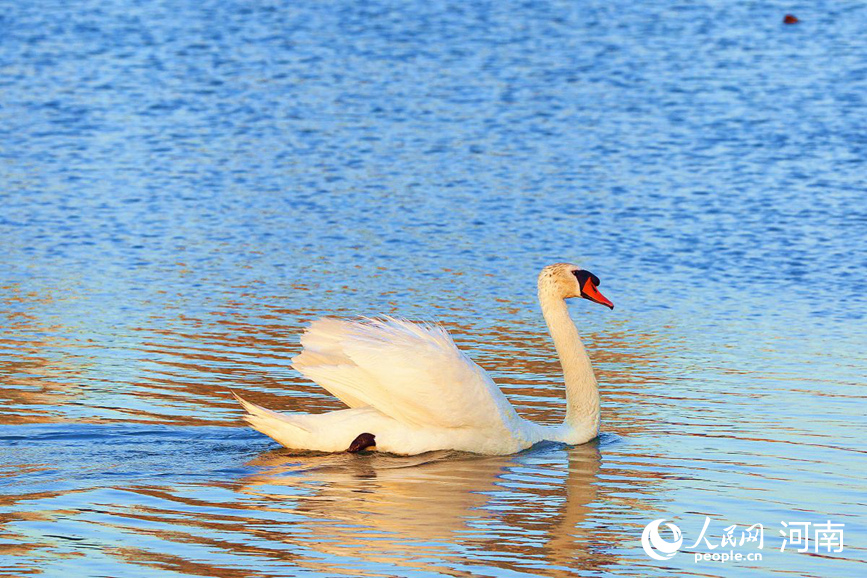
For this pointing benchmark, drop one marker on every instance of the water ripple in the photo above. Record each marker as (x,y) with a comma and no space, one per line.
(186,185)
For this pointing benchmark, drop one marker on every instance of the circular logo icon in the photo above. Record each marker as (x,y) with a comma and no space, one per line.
(655,546)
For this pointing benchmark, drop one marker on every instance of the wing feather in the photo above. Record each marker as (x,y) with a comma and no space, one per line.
(411,372)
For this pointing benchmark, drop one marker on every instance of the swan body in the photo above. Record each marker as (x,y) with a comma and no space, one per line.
(411,390)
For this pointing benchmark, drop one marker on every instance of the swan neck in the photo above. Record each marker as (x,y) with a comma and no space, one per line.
(582,393)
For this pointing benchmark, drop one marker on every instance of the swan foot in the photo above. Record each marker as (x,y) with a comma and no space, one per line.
(362,442)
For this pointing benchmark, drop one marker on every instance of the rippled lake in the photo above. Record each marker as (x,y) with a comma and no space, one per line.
(184,185)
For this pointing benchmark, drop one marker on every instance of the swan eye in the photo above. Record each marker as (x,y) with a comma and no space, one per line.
(583,275)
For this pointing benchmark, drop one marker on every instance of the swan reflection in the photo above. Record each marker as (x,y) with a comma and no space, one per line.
(401,510)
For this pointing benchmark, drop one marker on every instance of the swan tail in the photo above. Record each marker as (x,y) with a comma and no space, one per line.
(327,432)
(284,429)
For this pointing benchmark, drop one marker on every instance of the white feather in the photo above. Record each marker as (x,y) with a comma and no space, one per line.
(410,372)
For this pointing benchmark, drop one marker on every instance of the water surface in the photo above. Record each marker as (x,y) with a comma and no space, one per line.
(186,184)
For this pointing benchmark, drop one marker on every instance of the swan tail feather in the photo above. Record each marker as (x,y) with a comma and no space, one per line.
(271,423)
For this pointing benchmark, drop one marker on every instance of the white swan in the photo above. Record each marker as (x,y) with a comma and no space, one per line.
(411,390)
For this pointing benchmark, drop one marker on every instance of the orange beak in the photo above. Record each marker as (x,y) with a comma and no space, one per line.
(589,291)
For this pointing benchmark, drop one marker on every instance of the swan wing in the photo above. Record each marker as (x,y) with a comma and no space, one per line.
(411,372)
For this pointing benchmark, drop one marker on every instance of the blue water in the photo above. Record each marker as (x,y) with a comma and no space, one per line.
(183,185)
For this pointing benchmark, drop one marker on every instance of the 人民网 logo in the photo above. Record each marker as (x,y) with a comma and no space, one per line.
(655,546)
(746,545)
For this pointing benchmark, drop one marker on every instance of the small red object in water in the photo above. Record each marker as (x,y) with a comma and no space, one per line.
(790,19)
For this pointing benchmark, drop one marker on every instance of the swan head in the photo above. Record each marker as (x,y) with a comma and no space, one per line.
(565,280)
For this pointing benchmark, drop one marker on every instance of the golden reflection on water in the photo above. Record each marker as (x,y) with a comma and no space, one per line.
(401,511)
(36,381)
(440,512)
